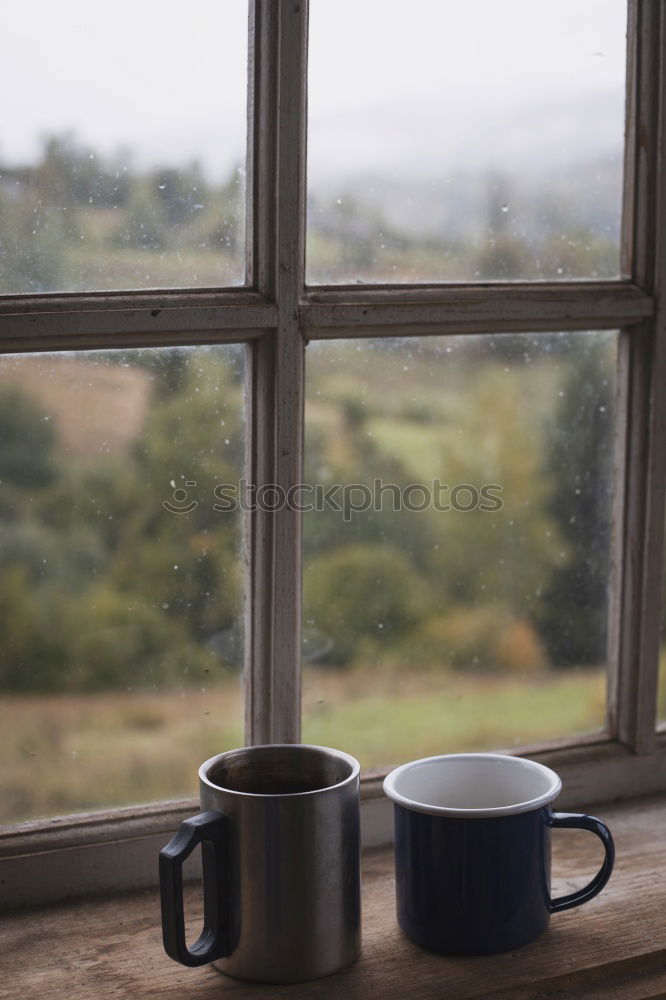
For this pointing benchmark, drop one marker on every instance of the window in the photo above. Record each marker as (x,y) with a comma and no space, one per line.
(507,328)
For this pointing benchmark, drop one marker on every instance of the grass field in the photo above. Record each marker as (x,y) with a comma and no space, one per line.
(412,716)
(63,753)
(67,753)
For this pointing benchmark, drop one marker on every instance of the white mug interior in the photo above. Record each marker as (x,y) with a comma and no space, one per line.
(473,785)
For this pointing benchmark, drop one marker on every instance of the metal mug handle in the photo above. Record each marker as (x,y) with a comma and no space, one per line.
(210,830)
(579,821)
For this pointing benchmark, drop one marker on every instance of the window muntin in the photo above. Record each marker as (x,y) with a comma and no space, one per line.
(120,584)
(458,600)
(465,142)
(122,164)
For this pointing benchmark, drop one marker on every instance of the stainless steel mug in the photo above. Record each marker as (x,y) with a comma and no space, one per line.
(280,844)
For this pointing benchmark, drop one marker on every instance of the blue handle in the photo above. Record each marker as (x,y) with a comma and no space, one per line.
(209,830)
(579,821)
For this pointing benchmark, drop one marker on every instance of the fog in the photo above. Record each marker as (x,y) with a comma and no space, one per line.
(425,87)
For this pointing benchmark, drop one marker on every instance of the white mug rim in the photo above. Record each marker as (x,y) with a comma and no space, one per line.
(515,808)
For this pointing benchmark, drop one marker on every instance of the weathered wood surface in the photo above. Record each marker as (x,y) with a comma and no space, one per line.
(512,306)
(150,319)
(612,948)
(277,378)
(640,454)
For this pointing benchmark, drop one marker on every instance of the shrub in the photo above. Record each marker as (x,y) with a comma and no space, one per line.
(482,637)
(361,592)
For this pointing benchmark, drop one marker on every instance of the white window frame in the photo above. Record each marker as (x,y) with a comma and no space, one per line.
(276,314)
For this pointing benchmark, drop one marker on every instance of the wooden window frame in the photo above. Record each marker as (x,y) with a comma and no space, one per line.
(276,315)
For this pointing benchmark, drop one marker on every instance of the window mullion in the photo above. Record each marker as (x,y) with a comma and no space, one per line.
(273,538)
(639,502)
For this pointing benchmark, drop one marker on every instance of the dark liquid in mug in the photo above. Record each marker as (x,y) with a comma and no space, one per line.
(278,771)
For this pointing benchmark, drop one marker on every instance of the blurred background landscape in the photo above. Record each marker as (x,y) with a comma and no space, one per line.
(121,647)
(486,147)
(75,221)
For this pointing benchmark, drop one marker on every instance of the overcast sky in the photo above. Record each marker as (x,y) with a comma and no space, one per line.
(424,85)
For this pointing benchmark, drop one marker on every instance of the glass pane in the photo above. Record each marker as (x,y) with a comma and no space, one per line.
(456,598)
(123,145)
(120,584)
(465,141)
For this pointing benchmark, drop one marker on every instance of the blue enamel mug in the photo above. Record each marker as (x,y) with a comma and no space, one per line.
(472,851)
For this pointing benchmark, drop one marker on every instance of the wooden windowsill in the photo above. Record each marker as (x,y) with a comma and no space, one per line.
(613,948)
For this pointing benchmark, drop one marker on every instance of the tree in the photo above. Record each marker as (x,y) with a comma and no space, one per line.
(28,439)
(362,592)
(573,615)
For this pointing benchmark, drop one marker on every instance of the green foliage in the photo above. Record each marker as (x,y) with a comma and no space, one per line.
(71,175)
(75,220)
(488,576)
(87,540)
(573,615)
(32,236)
(359,591)
(20,634)
(106,588)
(74,555)
(98,639)
(122,641)
(26,455)
(103,586)
(481,638)
(144,224)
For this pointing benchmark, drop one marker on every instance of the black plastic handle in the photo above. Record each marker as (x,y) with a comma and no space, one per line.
(209,830)
(579,821)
